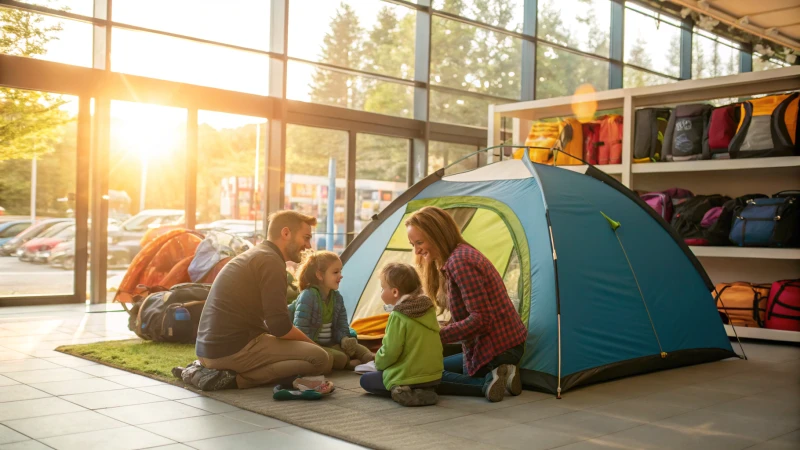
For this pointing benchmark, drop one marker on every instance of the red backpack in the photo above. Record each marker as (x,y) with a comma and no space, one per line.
(721,128)
(783,306)
(591,141)
(610,149)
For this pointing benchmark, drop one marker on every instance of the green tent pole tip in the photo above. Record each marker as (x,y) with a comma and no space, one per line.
(614,224)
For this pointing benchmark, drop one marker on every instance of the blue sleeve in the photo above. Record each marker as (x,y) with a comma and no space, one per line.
(341,326)
(304,313)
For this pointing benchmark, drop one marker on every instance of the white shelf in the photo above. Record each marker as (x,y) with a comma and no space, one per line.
(611,169)
(721,164)
(764,333)
(746,252)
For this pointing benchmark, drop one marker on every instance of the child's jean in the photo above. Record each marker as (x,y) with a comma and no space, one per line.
(372,382)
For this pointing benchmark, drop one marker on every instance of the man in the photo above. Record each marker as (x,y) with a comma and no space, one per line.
(245,325)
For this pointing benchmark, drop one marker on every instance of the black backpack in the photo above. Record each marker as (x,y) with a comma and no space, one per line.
(170,316)
(686,138)
(651,124)
(689,215)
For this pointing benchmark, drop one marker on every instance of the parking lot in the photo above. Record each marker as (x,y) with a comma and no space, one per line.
(22,278)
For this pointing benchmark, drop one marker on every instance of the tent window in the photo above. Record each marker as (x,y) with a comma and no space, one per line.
(511,279)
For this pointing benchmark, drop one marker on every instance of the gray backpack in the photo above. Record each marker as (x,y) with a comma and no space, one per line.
(686,138)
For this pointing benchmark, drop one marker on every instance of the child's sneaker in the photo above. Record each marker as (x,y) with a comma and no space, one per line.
(406,396)
(513,381)
(496,381)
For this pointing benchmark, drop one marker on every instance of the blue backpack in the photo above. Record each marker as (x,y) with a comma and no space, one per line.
(768,222)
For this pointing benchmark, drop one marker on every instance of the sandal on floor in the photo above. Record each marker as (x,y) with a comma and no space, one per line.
(286,394)
(322,386)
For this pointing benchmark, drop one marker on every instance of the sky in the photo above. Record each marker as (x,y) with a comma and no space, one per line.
(246,23)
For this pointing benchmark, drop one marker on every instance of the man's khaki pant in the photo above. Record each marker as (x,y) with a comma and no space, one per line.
(267,359)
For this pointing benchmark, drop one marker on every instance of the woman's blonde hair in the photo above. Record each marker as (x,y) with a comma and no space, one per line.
(442,232)
(312,263)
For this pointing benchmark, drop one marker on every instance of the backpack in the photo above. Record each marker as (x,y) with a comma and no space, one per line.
(170,316)
(686,138)
(543,135)
(664,202)
(570,143)
(721,128)
(591,140)
(767,127)
(610,149)
(648,136)
(783,306)
(742,304)
(717,231)
(768,222)
(689,215)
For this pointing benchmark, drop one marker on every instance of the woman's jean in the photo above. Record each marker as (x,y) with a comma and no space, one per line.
(372,382)
(455,382)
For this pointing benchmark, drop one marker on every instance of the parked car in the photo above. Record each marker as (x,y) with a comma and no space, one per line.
(12,245)
(8,230)
(63,255)
(134,228)
(37,250)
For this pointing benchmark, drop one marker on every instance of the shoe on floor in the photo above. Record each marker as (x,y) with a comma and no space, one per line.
(406,396)
(177,371)
(495,387)
(514,381)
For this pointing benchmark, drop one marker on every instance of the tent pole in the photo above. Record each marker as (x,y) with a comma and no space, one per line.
(719,297)
(558,391)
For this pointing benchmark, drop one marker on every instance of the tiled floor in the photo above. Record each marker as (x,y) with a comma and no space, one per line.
(49,400)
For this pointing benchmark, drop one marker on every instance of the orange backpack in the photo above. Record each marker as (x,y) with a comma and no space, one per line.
(742,304)
(610,148)
(572,132)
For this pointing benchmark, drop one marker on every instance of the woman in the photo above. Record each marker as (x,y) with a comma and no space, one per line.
(462,281)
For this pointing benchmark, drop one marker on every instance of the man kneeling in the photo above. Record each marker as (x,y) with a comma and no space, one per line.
(245,325)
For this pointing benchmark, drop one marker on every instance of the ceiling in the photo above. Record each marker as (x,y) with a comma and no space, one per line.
(762,16)
(781,14)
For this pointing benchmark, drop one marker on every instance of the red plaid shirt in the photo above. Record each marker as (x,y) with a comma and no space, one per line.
(484,319)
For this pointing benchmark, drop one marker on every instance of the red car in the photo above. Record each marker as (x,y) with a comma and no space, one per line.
(38,250)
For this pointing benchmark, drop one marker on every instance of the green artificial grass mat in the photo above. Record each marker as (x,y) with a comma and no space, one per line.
(152,358)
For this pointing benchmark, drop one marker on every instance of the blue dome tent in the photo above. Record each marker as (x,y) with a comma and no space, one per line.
(604,285)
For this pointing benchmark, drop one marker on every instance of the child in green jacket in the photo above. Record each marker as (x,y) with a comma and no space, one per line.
(409,362)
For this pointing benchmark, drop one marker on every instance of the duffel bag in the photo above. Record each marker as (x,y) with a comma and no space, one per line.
(783,307)
(767,127)
(768,222)
(742,304)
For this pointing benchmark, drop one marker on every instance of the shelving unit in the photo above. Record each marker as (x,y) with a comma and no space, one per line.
(733,177)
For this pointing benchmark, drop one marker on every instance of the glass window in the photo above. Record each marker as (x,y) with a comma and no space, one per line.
(37,163)
(475,59)
(44,37)
(651,42)
(309,83)
(240,22)
(309,152)
(366,35)
(230,173)
(552,64)
(443,154)
(580,24)
(760,64)
(174,59)
(82,7)
(506,14)
(381,174)
(713,56)
(459,108)
(639,78)
(147,163)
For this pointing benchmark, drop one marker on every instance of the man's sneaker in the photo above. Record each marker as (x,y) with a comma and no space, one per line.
(513,381)
(406,396)
(495,387)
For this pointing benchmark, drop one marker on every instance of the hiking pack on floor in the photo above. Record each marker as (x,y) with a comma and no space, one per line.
(170,315)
